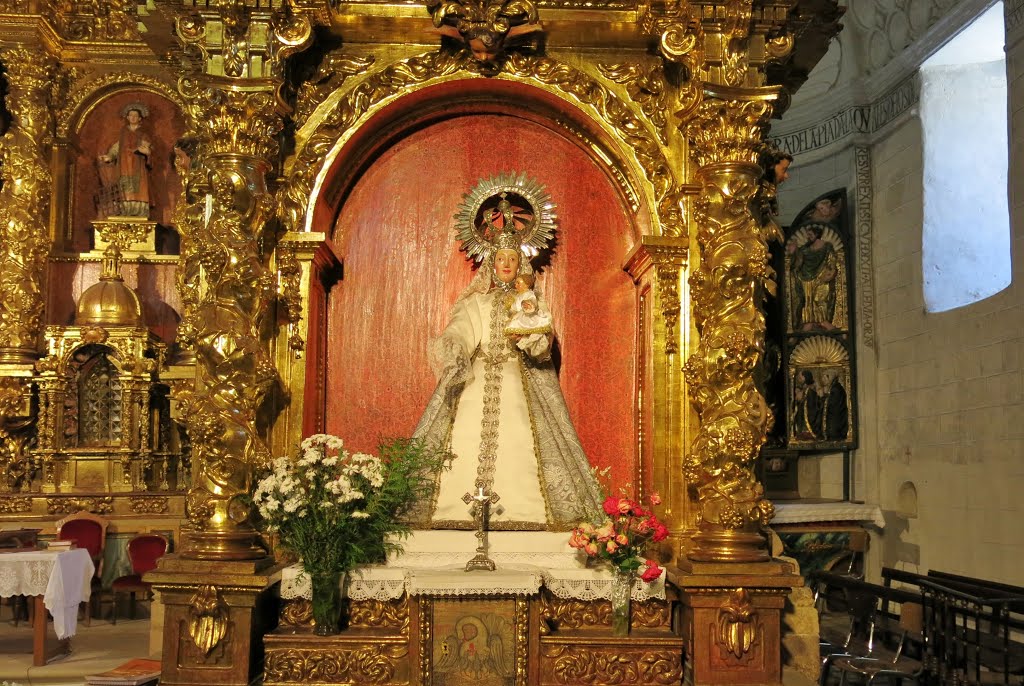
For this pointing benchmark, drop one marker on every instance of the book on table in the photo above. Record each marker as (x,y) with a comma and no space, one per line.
(132,673)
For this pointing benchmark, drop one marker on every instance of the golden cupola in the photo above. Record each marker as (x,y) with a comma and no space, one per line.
(109,302)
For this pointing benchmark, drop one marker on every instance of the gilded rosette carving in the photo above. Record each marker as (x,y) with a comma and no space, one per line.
(727,294)
(227,290)
(570,613)
(297,612)
(15,504)
(24,202)
(146,504)
(380,614)
(737,626)
(366,664)
(207,618)
(100,20)
(97,505)
(586,665)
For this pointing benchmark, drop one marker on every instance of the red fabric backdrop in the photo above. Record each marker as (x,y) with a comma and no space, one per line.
(403,270)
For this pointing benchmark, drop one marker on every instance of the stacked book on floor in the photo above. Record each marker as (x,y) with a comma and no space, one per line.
(137,672)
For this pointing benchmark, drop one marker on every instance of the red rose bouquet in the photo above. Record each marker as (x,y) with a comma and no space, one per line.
(623,536)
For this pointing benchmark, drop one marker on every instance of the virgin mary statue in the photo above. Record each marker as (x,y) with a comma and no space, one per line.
(498,408)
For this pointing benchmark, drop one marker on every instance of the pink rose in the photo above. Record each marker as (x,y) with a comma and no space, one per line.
(622,539)
(612,546)
(624,506)
(591,549)
(641,526)
(577,539)
(611,505)
(606,531)
(655,499)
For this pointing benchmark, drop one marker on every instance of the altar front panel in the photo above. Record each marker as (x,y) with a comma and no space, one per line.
(403,271)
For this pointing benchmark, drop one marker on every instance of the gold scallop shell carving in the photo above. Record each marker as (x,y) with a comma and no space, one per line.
(819,350)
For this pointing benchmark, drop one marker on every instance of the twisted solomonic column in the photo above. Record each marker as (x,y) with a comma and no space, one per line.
(727,292)
(24,203)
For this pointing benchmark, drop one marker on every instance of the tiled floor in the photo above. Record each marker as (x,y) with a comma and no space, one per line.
(95,649)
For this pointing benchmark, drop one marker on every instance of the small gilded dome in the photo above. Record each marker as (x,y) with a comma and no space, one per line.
(109,302)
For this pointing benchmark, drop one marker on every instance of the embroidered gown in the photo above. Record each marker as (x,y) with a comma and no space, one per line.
(499,409)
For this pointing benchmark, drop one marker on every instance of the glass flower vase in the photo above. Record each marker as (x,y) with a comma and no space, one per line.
(622,588)
(326,602)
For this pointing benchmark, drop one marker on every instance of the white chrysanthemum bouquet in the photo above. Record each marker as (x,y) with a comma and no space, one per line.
(338,509)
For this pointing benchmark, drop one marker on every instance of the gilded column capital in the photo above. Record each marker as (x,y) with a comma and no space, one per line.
(729,126)
(24,202)
(727,294)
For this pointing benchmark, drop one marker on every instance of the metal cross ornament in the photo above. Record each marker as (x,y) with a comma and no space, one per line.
(482,502)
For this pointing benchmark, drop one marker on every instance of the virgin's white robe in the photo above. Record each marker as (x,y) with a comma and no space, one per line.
(495,401)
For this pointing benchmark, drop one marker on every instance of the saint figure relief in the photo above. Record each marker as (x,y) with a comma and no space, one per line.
(820,407)
(124,168)
(815,265)
(498,408)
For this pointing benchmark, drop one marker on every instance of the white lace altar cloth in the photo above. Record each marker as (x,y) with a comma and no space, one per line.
(61,577)
(373,582)
(795,513)
(596,584)
(388,583)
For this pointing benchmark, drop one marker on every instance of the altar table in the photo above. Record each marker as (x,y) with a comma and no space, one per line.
(59,581)
(522,624)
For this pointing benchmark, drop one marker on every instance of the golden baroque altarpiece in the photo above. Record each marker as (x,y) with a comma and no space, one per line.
(255,102)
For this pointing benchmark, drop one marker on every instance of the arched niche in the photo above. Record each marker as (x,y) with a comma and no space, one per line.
(388,202)
(93,128)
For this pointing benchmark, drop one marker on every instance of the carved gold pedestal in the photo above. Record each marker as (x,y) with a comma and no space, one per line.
(475,640)
(732,620)
(215,616)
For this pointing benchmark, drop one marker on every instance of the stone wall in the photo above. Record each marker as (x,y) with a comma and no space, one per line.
(941,394)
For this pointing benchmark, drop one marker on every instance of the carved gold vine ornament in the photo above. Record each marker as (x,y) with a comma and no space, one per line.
(24,202)
(727,292)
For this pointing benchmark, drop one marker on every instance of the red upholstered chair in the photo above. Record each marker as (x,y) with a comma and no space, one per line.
(143,551)
(89,532)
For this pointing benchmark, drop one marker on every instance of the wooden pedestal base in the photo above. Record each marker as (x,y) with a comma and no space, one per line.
(215,616)
(500,640)
(732,620)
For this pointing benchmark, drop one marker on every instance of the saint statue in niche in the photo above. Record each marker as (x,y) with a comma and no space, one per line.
(835,413)
(498,408)
(814,254)
(124,168)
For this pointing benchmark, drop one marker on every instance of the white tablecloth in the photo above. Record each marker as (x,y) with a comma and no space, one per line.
(798,513)
(61,577)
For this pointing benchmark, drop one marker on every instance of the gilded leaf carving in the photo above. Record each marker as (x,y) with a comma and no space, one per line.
(207,618)
(634,132)
(585,665)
